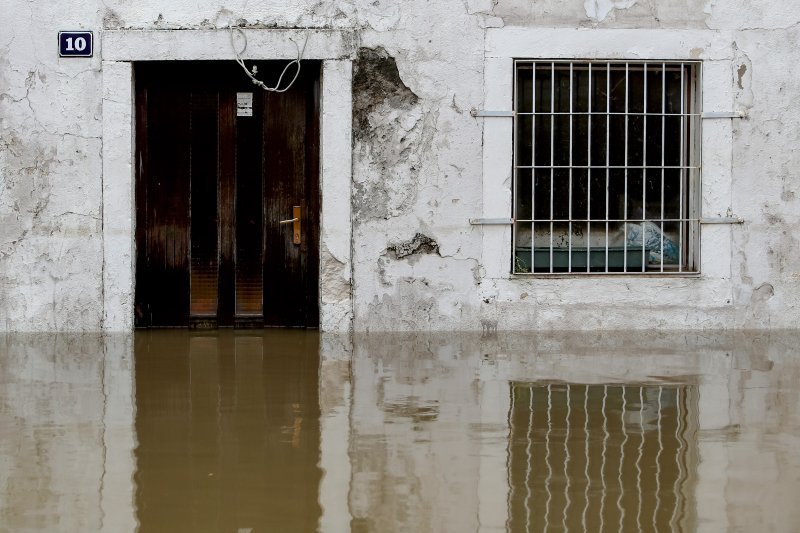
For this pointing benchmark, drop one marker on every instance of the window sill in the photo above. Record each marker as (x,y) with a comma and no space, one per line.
(607,275)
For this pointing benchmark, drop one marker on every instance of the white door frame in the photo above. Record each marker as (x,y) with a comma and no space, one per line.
(120,48)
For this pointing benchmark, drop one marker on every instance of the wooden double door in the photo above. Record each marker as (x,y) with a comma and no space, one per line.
(227,196)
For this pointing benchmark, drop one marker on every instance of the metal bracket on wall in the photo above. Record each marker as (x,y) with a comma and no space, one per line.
(491,221)
(723,114)
(722,220)
(484,113)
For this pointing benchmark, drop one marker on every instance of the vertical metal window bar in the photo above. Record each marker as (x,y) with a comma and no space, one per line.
(630,242)
(533,166)
(644,170)
(569,185)
(682,163)
(625,195)
(589,176)
(695,189)
(608,155)
(663,145)
(515,174)
(552,154)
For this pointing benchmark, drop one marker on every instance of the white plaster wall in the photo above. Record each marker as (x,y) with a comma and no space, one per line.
(429,168)
(50,173)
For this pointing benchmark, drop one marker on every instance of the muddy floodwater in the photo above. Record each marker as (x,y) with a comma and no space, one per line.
(281,430)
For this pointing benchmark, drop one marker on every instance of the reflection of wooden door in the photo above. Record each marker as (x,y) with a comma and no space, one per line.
(213,184)
(228,431)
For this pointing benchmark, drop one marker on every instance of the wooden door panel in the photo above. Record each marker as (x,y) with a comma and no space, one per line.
(204,220)
(167,207)
(285,128)
(211,189)
(250,211)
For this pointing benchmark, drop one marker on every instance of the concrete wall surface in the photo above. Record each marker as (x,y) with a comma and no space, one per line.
(402,255)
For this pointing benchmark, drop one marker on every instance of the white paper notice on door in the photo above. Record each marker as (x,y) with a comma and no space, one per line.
(244,104)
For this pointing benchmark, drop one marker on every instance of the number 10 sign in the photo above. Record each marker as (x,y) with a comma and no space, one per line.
(75,44)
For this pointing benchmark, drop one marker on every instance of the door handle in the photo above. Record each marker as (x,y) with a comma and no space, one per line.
(296,237)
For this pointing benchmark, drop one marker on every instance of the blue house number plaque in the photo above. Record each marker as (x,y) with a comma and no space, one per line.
(75,44)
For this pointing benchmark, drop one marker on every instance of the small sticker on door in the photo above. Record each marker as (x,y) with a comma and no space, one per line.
(244,104)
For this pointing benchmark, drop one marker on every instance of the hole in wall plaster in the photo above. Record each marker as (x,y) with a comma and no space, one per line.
(740,72)
(392,135)
(420,244)
(376,81)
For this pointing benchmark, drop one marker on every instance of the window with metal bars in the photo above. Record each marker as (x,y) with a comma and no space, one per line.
(606,167)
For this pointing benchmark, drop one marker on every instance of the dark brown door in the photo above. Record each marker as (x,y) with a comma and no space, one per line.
(220,164)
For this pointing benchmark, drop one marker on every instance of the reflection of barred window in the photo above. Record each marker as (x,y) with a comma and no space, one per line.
(606,167)
(602,457)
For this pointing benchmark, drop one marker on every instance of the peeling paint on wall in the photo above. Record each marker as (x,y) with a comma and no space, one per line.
(605,13)
(598,10)
(334,277)
(390,137)
(111,20)
(25,192)
(763,292)
(377,83)
(743,72)
(420,244)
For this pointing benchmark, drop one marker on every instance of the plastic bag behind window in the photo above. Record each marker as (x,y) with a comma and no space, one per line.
(652,235)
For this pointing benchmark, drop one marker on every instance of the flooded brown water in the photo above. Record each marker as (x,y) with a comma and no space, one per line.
(299,431)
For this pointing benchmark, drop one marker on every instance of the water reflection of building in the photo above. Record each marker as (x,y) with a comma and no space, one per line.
(228,431)
(602,457)
(413,432)
(718,400)
(66,433)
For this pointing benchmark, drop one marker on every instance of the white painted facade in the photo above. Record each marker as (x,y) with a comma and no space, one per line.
(67,251)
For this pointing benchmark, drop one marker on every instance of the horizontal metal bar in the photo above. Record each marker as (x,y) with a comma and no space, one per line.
(722,220)
(620,220)
(722,114)
(671,272)
(582,62)
(484,113)
(602,167)
(607,113)
(491,221)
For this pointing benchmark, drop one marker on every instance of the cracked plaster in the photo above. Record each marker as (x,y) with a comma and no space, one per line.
(417,162)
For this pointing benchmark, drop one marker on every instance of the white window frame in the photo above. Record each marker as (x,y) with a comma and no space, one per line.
(504,45)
